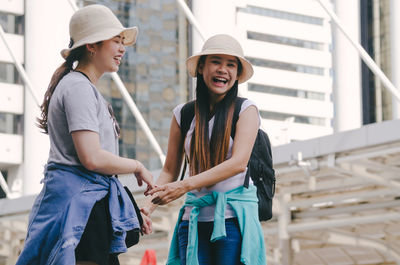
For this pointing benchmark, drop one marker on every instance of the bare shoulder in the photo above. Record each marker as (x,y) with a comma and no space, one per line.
(249,113)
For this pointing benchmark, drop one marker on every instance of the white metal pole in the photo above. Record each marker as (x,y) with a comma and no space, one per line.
(347,92)
(73,5)
(395,51)
(191,18)
(350,158)
(283,234)
(360,171)
(4,186)
(324,213)
(340,222)
(338,198)
(377,57)
(139,118)
(363,54)
(40,69)
(349,239)
(20,69)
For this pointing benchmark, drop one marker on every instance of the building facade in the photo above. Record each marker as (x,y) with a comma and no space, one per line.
(152,71)
(380,39)
(11,89)
(289,44)
(35,40)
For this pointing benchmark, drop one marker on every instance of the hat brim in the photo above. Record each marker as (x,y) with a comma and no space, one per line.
(247,68)
(129,34)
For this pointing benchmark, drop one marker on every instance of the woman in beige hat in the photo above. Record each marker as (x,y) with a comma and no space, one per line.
(83,213)
(218,223)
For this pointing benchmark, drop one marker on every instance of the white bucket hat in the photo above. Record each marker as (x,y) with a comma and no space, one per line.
(96,23)
(222,44)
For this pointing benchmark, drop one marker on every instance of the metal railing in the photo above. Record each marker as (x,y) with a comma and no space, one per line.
(363,54)
(191,18)
(127,98)
(193,21)
(20,68)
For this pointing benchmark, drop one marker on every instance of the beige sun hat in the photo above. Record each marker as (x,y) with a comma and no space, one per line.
(221,44)
(96,23)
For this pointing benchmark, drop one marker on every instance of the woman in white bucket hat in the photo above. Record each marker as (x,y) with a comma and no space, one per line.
(218,223)
(83,212)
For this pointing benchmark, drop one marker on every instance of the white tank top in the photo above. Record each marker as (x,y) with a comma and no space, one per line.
(207,212)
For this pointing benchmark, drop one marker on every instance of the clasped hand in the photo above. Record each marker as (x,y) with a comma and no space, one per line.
(143,175)
(167,193)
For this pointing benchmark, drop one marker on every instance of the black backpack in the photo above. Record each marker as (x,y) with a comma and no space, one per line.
(260,164)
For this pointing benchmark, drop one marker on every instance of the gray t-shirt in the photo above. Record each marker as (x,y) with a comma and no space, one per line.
(77,105)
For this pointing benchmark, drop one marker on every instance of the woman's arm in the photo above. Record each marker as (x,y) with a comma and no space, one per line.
(173,162)
(246,132)
(94,158)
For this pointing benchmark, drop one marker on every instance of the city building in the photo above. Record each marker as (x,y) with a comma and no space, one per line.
(152,72)
(289,44)
(380,39)
(35,39)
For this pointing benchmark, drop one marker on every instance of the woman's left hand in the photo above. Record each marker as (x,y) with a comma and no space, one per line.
(167,193)
(142,174)
(147,227)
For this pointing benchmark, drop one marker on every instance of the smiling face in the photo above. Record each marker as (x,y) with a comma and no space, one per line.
(219,73)
(109,54)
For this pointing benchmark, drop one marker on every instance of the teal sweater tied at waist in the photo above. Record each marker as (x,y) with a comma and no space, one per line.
(245,204)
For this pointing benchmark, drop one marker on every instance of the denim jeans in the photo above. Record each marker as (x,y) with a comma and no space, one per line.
(225,251)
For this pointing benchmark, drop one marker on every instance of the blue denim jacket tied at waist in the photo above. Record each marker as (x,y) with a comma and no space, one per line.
(62,209)
(245,204)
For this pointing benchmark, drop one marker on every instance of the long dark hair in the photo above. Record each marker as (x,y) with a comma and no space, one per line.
(75,55)
(204,152)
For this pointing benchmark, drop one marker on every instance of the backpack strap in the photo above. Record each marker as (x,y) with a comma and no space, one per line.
(238,106)
(187,115)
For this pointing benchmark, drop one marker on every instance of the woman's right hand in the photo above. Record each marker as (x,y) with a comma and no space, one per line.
(143,175)
(147,227)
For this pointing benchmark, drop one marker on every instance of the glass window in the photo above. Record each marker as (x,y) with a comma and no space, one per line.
(286,92)
(149,70)
(9,74)
(11,23)
(10,123)
(2,193)
(287,66)
(285,40)
(281,15)
(297,118)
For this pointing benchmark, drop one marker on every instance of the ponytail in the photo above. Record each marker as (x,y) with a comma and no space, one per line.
(65,68)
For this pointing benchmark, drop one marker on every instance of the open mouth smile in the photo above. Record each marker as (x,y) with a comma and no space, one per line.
(118,59)
(220,80)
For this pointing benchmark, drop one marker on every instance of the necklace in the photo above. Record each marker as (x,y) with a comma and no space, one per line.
(83,75)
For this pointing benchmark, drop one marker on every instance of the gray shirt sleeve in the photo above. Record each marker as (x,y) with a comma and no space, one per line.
(77,105)
(81,107)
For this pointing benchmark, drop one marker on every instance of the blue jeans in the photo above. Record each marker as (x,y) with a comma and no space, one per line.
(225,251)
